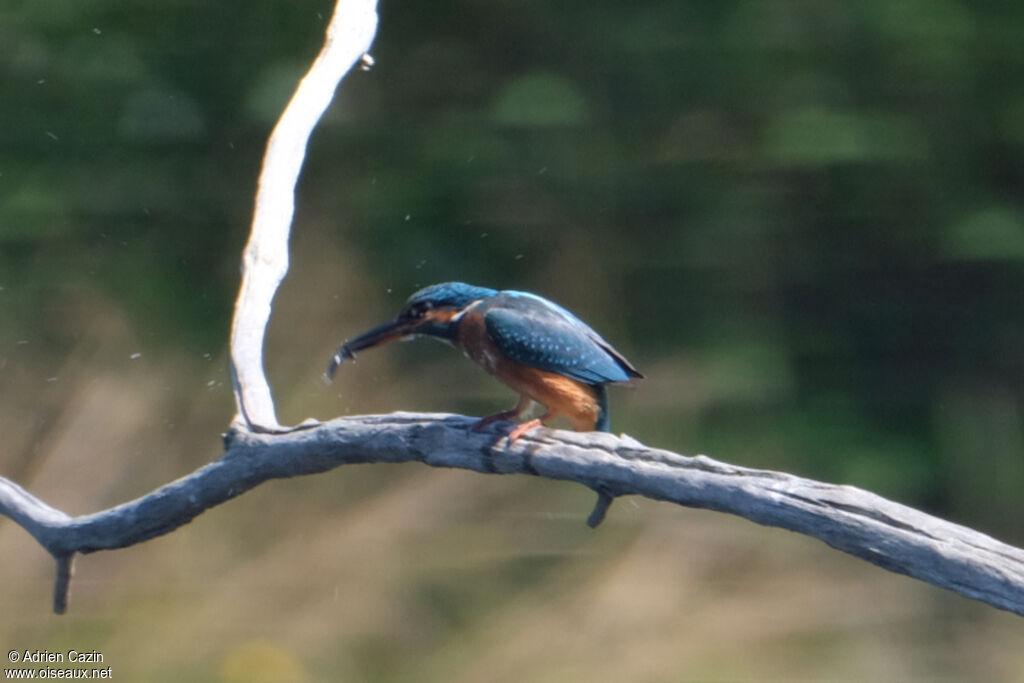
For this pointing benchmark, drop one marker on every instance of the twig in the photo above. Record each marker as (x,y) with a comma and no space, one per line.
(600,511)
(62,585)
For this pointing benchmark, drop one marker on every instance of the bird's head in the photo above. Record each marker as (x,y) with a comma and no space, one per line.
(432,311)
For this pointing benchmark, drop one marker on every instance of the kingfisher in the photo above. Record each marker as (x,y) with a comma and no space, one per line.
(539,349)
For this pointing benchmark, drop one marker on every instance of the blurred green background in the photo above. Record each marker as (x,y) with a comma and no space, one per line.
(803,220)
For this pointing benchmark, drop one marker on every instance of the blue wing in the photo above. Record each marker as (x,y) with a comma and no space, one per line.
(541,334)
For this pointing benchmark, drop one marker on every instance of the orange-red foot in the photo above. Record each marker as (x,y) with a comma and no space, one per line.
(522,429)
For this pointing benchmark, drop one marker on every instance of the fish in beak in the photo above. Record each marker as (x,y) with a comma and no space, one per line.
(389,331)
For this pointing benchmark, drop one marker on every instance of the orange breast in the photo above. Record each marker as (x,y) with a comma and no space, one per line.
(559,394)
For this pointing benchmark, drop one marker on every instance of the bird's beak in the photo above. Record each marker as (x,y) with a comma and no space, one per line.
(389,331)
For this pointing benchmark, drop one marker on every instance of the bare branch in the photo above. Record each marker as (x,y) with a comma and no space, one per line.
(857,522)
(265,259)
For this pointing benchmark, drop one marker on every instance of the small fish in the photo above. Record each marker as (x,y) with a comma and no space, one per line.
(339,357)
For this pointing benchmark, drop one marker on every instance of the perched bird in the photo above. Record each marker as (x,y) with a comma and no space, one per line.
(538,348)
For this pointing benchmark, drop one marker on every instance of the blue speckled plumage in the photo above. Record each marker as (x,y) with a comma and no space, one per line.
(536,332)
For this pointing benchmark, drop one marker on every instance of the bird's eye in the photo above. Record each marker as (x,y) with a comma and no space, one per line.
(417,310)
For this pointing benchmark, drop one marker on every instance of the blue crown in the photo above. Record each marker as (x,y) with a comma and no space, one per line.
(454,294)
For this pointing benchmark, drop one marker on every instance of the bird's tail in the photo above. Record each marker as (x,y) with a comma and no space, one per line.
(604,420)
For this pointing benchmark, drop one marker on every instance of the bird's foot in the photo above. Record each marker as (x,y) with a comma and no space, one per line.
(521,429)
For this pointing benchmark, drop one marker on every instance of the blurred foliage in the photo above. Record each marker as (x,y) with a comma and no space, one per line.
(803,220)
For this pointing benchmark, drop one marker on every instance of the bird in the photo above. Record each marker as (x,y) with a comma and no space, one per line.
(538,348)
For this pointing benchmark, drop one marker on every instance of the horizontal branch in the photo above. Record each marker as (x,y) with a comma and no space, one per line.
(857,522)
